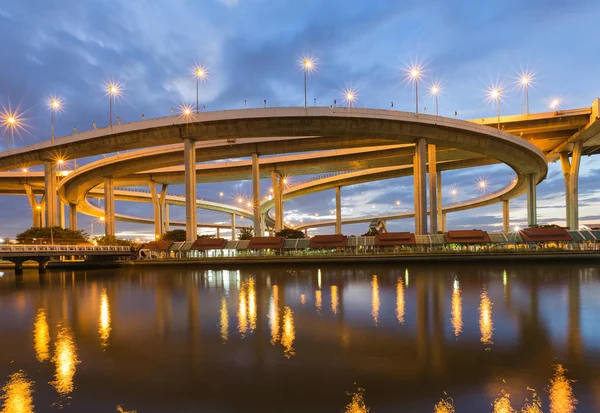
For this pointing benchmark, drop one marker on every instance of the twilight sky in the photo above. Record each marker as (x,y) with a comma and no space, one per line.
(252,48)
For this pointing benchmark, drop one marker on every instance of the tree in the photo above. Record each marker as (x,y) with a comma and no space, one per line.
(245,234)
(176,235)
(112,240)
(289,233)
(56,235)
(206,236)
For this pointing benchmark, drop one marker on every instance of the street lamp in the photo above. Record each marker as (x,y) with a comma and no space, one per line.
(554,103)
(308,65)
(11,121)
(55,105)
(200,73)
(482,184)
(434,90)
(350,96)
(113,91)
(495,93)
(415,73)
(526,78)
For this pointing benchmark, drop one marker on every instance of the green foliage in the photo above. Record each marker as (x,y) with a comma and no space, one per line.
(176,235)
(289,233)
(58,235)
(111,240)
(245,234)
(206,236)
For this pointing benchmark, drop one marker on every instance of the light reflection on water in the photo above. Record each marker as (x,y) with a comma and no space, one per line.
(17,394)
(446,315)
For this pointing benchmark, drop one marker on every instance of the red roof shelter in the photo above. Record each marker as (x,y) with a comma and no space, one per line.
(265,243)
(475,236)
(328,241)
(545,234)
(159,245)
(395,238)
(203,244)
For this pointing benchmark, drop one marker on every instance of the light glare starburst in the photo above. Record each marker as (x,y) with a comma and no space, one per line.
(308,63)
(200,72)
(350,96)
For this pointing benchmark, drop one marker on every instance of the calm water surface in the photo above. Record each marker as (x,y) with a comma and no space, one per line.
(279,340)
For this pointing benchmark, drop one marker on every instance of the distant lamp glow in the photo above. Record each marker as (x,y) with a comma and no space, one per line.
(25,170)
(350,96)
(434,91)
(200,73)
(554,103)
(113,91)
(38,207)
(308,65)
(60,161)
(102,219)
(240,200)
(55,105)
(221,194)
(13,122)
(526,79)
(517,228)
(415,73)
(495,94)
(398,203)
(482,184)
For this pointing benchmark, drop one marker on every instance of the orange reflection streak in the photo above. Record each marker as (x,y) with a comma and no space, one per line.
(252,304)
(535,406)
(242,310)
(104,320)
(274,315)
(334,299)
(65,359)
(375,301)
(400,301)
(444,406)
(303,299)
(41,336)
(224,320)
(288,334)
(561,396)
(502,404)
(357,404)
(319,300)
(486,325)
(18,394)
(456,319)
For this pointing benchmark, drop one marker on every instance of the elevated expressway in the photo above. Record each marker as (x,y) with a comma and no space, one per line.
(384,139)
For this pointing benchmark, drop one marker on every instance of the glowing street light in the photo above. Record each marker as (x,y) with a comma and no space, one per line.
(308,65)
(525,79)
(55,105)
(11,121)
(434,90)
(113,91)
(200,73)
(495,94)
(454,192)
(415,73)
(350,96)
(482,184)
(398,203)
(554,103)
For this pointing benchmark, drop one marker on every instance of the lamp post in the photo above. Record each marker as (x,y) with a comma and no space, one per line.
(554,104)
(11,121)
(526,78)
(308,65)
(495,93)
(114,90)
(349,97)
(415,73)
(199,74)
(434,90)
(55,105)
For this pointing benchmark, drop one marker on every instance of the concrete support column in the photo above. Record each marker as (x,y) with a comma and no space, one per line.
(338,210)
(61,214)
(166,217)
(439,202)
(258,232)
(505,215)
(420,181)
(444,228)
(50,193)
(275,182)
(218,232)
(191,222)
(156,210)
(109,206)
(571,175)
(233,227)
(433,188)
(531,199)
(36,209)
(73,217)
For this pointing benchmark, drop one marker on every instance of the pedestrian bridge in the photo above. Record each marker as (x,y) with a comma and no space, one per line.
(42,254)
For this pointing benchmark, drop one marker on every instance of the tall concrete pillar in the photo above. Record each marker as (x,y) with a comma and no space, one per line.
(433,188)
(159,206)
(275,182)
(73,217)
(531,199)
(571,175)
(36,208)
(444,228)
(256,196)
(50,193)
(109,206)
(166,217)
(420,183)
(505,215)
(191,222)
(218,232)
(233,227)
(439,202)
(338,210)
(61,214)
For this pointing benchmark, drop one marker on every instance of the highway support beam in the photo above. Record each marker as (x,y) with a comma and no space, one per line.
(531,200)
(277,184)
(506,215)
(338,210)
(258,232)
(50,193)
(191,220)
(73,216)
(233,227)
(109,206)
(159,207)
(36,208)
(433,188)
(571,174)
(420,184)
